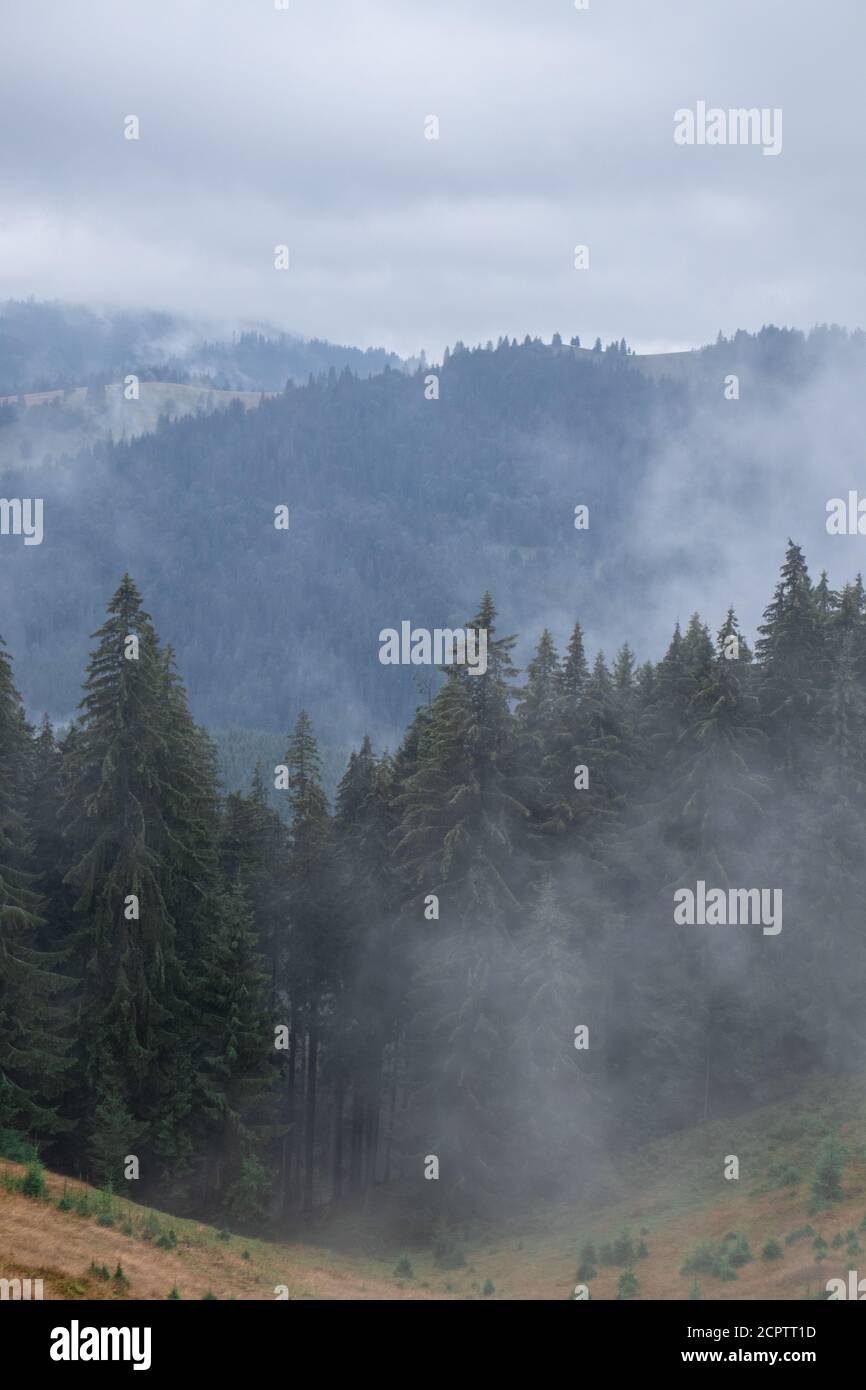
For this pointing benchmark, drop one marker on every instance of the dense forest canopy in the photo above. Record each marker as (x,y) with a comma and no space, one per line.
(472,955)
(402,507)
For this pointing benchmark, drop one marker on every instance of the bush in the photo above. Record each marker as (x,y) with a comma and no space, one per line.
(772,1250)
(173,1293)
(403,1268)
(704,1259)
(737,1250)
(628,1286)
(827,1186)
(623,1250)
(800,1234)
(783,1175)
(99,1271)
(15,1148)
(721,1261)
(489,1288)
(247,1196)
(150,1228)
(33,1182)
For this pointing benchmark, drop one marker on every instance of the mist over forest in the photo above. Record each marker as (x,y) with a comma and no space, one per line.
(432,671)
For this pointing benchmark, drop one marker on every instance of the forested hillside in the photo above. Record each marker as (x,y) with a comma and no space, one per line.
(406,507)
(471,959)
(50,346)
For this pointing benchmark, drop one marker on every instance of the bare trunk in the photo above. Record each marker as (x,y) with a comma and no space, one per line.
(310,1112)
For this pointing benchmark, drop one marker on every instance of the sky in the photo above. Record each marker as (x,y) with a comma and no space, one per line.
(305,127)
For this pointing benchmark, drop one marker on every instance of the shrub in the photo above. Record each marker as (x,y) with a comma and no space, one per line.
(737,1250)
(827,1186)
(247,1195)
(772,1250)
(33,1182)
(150,1227)
(783,1175)
(704,1259)
(800,1234)
(489,1288)
(403,1268)
(628,1286)
(623,1250)
(15,1148)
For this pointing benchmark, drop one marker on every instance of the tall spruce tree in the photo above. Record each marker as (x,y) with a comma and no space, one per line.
(117,820)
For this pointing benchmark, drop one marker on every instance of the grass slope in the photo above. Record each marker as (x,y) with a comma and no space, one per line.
(670,1195)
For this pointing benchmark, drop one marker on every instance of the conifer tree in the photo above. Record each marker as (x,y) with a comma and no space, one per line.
(116,822)
(791,654)
(33,1012)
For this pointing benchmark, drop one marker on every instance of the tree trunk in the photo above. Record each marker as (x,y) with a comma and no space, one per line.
(392,1103)
(288,1145)
(310,1112)
(338,1143)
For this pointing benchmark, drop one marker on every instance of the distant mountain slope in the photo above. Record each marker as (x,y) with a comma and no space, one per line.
(407,508)
(54,423)
(45,346)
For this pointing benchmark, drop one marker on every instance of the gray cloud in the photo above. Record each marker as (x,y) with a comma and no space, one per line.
(306,127)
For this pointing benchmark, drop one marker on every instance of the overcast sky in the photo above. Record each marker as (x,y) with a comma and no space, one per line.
(306,127)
